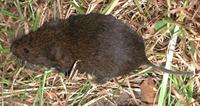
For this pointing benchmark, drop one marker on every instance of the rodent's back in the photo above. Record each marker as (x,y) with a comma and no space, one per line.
(106,44)
(106,47)
(110,46)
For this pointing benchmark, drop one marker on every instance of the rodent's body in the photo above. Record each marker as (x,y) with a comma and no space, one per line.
(106,47)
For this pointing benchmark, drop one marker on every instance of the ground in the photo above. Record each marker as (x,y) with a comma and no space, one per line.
(157,21)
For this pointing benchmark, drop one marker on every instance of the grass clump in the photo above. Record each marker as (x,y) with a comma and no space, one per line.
(159,22)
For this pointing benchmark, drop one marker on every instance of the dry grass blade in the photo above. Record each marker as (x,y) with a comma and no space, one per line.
(156,20)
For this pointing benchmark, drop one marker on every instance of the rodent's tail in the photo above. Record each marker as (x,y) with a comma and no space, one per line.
(170,71)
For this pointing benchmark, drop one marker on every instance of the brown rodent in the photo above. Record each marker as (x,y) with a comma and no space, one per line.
(106,47)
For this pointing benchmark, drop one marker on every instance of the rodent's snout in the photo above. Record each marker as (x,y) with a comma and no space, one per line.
(13,50)
(16,50)
(20,51)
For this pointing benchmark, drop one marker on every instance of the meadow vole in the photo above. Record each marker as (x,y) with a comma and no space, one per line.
(106,47)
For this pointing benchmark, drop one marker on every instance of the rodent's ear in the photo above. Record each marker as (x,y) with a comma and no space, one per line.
(54,53)
(52,23)
(49,23)
(57,52)
(72,18)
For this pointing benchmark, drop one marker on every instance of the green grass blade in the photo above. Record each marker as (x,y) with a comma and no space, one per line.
(171,47)
(81,93)
(41,89)
(36,21)
(3,50)
(78,7)
(108,9)
(19,9)
(7,13)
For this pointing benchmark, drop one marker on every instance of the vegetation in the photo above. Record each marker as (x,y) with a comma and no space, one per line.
(164,24)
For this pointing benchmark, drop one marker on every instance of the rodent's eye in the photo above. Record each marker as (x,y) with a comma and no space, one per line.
(26,50)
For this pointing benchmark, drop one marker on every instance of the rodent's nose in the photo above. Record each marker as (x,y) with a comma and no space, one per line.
(13,50)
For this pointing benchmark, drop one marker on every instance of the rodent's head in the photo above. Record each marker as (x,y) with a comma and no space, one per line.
(28,49)
(37,47)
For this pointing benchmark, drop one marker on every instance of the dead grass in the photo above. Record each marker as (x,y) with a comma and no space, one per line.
(154,20)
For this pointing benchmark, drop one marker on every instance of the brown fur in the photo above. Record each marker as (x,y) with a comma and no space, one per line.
(106,47)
